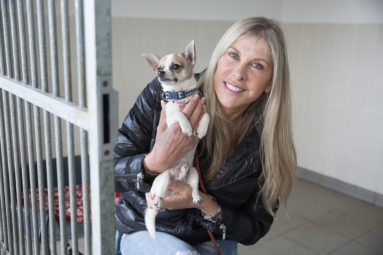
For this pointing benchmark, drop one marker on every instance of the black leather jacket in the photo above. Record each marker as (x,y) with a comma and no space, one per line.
(235,188)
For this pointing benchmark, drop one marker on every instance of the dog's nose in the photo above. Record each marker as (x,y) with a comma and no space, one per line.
(161,73)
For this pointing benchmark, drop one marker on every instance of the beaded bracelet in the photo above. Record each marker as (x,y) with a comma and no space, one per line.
(213,217)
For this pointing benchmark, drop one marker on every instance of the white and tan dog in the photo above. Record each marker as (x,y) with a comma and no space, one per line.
(175,72)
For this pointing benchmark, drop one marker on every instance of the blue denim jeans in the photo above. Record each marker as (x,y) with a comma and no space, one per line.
(140,243)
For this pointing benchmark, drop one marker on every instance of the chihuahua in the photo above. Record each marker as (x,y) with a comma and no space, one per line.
(179,85)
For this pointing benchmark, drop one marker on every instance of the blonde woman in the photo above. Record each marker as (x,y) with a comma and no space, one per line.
(247,158)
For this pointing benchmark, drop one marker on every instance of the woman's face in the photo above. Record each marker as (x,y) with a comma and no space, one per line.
(243,74)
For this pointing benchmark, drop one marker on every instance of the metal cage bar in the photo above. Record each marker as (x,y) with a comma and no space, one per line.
(25,174)
(29,117)
(4,201)
(55,91)
(67,81)
(11,221)
(10,173)
(8,235)
(80,45)
(98,76)
(4,16)
(14,129)
(44,87)
(26,136)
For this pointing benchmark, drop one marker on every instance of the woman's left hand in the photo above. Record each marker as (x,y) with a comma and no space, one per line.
(182,197)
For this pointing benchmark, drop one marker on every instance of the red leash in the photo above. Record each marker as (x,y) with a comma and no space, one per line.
(204,190)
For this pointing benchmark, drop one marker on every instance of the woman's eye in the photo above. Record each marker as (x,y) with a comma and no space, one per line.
(257,66)
(233,55)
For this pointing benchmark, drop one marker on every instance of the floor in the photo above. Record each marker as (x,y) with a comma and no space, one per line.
(322,221)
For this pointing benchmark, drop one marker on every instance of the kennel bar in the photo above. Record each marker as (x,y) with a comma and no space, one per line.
(103,121)
(95,115)
(46,123)
(4,16)
(24,73)
(3,218)
(55,92)
(7,244)
(14,129)
(70,145)
(67,85)
(80,45)
(8,173)
(28,115)
(4,178)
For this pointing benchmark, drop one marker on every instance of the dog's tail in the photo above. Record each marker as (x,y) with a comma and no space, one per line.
(150,221)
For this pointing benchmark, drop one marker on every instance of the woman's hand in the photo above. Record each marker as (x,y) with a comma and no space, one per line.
(171,144)
(182,199)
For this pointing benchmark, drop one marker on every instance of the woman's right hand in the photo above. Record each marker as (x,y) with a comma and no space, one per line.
(171,144)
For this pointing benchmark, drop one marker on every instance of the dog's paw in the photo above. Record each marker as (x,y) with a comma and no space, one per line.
(186,127)
(187,131)
(197,201)
(157,204)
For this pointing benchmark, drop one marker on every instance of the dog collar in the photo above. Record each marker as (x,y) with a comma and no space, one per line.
(177,95)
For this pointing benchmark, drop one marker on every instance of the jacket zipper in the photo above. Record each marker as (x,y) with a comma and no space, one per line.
(140,179)
(223,228)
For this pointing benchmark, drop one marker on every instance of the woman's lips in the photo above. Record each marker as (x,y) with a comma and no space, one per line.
(233,88)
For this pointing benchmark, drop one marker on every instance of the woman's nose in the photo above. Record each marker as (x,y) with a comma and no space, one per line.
(239,72)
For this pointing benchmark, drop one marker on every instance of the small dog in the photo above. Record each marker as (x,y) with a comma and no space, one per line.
(175,73)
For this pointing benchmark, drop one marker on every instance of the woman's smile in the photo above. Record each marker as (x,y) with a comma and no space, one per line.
(232,87)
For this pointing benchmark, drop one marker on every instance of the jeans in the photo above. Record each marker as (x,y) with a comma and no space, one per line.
(140,243)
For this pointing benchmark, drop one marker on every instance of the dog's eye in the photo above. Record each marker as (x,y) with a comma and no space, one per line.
(176,67)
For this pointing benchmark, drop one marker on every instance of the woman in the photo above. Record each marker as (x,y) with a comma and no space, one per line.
(247,159)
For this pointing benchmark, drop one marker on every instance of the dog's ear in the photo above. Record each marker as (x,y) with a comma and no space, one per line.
(152,59)
(190,52)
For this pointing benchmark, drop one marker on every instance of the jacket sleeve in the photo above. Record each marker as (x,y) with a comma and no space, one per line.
(134,138)
(248,224)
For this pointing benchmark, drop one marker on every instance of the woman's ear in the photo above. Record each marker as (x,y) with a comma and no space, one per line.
(268,89)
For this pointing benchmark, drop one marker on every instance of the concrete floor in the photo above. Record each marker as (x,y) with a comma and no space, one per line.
(322,221)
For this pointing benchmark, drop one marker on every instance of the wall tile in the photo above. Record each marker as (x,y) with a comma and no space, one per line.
(346,33)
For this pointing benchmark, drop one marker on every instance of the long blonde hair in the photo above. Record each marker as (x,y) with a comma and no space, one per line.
(277,150)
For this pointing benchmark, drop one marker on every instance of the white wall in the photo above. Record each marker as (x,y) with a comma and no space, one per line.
(332,11)
(336,56)
(197,9)
(336,59)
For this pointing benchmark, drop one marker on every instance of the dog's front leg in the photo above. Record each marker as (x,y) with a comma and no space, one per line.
(203,126)
(192,181)
(173,115)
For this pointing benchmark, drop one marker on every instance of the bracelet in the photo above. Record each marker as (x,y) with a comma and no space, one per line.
(213,217)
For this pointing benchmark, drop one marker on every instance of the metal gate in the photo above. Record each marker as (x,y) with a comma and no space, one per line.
(58,117)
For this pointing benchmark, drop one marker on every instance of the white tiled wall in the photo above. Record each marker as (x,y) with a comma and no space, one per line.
(337,74)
